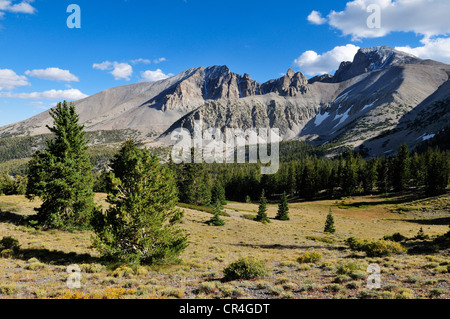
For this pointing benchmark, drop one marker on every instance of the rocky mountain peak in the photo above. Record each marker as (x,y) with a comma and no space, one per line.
(371,59)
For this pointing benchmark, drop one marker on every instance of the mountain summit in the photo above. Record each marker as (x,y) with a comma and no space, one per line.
(378,101)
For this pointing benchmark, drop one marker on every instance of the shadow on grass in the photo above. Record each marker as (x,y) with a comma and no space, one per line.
(12,218)
(54,257)
(395,200)
(436,221)
(282,247)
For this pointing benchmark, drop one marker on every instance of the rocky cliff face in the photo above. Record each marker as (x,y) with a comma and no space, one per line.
(374,101)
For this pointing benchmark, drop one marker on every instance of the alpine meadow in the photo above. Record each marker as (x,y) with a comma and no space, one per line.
(130,171)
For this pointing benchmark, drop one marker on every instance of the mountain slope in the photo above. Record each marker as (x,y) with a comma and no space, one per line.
(379,100)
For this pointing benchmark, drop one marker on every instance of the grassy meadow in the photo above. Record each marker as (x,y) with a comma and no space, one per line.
(39,270)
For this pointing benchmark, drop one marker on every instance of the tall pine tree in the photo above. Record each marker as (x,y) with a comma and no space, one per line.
(61,174)
(283,208)
(262,209)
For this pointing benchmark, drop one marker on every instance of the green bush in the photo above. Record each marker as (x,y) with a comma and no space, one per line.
(309,257)
(355,243)
(10,244)
(379,248)
(383,248)
(245,268)
(397,237)
(347,267)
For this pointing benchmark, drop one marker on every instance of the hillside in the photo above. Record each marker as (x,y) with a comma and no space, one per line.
(380,100)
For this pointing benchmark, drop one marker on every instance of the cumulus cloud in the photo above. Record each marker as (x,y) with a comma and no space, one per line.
(9,80)
(316,18)
(436,49)
(120,71)
(21,7)
(152,76)
(53,74)
(69,95)
(424,17)
(312,63)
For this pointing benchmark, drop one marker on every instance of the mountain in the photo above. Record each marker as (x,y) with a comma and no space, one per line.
(376,102)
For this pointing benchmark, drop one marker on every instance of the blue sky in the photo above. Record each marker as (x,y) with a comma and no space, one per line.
(121,42)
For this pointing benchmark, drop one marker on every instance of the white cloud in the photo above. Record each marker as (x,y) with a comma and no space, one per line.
(152,76)
(22,7)
(159,60)
(424,17)
(69,95)
(436,49)
(312,63)
(316,18)
(103,66)
(9,79)
(53,74)
(140,60)
(120,71)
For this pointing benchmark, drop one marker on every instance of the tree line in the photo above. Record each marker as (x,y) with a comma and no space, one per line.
(313,177)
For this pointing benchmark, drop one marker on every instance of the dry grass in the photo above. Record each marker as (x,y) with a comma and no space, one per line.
(278,244)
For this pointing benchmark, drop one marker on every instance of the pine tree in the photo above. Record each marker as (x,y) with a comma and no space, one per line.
(262,210)
(437,172)
(141,223)
(329,224)
(61,174)
(216,220)
(218,194)
(401,169)
(283,209)
(192,182)
(349,175)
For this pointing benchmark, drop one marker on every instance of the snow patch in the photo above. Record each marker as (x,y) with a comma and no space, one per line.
(320,118)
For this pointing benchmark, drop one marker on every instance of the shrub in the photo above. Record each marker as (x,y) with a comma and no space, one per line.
(10,243)
(9,289)
(383,248)
(404,293)
(309,257)
(207,287)
(397,237)
(379,248)
(342,278)
(355,243)
(245,268)
(347,267)
(123,272)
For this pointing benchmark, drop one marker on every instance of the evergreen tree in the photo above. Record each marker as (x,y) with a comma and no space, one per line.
(437,173)
(349,175)
(329,224)
(216,220)
(262,210)
(308,185)
(383,175)
(400,169)
(61,174)
(192,182)
(141,223)
(218,194)
(283,208)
